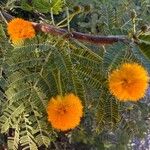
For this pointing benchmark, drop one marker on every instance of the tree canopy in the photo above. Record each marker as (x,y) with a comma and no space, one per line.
(74,75)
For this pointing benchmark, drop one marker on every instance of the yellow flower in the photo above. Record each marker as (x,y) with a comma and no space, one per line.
(20,29)
(129,82)
(65,112)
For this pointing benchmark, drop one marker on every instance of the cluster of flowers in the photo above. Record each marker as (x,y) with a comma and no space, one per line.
(128,82)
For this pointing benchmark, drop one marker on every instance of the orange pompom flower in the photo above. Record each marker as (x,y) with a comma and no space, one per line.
(20,29)
(129,82)
(65,112)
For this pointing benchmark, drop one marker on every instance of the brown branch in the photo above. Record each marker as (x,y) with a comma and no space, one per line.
(92,39)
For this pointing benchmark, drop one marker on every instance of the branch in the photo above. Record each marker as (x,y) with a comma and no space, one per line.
(92,39)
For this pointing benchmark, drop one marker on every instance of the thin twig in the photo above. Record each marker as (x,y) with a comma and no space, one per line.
(6,16)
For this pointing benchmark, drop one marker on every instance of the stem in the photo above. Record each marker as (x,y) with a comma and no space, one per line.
(134,25)
(60,24)
(67,12)
(59,84)
(52,16)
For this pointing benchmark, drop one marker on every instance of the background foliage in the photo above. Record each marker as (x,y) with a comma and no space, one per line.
(31,74)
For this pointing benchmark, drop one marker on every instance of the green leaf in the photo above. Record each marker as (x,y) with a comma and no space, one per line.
(2,33)
(141,57)
(115,55)
(26,138)
(57,6)
(10,114)
(42,6)
(111,108)
(26,6)
(100,117)
(145,44)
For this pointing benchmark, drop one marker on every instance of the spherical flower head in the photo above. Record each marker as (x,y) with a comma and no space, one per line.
(20,29)
(129,82)
(65,112)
